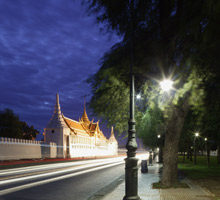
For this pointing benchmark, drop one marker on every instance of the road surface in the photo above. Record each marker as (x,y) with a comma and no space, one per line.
(78,180)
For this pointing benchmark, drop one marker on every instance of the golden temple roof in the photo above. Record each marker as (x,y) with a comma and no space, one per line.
(82,127)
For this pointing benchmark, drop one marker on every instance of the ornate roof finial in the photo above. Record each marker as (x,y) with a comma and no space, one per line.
(57,120)
(112,136)
(57,106)
(84,117)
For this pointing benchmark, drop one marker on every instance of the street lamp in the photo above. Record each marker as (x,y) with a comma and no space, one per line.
(166,85)
(138,96)
(196,135)
(131,168)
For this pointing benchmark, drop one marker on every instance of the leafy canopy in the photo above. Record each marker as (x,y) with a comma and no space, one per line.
(12,127)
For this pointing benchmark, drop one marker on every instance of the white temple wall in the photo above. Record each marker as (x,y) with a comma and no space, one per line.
(86,150)
(16,149)
(66,133)
(56,135)
(49,150)
(113,148)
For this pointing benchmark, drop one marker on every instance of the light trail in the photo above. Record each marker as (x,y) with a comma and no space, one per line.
(18,188)
(57,172)
(52,166)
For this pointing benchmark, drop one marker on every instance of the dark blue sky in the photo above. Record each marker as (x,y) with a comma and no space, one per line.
(47,46)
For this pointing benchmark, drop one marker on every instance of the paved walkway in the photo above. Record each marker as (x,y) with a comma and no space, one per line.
(146,192)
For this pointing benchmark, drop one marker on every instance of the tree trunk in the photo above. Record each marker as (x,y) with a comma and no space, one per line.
(188,151)
(161,154)
(170,156)
(208,153)
(218,153)
(190,154)
(184,155)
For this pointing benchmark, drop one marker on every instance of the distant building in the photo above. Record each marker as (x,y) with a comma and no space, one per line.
(81,138)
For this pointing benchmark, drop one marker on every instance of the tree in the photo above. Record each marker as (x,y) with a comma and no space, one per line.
(150,121)
(12,127)
(28,132)
(210,122)
(170,35)
(186,138)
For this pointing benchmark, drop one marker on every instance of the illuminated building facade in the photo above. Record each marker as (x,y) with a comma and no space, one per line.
(81,138)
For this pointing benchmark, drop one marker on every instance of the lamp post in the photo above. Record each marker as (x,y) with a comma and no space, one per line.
(196,135)
(131,169)
(207,151)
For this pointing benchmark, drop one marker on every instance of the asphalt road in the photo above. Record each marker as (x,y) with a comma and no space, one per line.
(78,180)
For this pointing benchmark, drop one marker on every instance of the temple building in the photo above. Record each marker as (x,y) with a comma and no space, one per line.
(81,138)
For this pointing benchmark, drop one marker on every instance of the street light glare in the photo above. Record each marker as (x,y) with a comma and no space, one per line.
(138,96)
(166,85)
(196,134)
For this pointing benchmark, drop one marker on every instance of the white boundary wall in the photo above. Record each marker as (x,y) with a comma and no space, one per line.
(91,151)
(16,149)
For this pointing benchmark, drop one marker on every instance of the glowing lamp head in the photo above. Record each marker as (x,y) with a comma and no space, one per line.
(196,134)
(206,139)
(158,136)
(138,96)
(166,85)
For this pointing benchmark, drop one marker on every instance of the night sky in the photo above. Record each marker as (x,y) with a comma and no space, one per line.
(48,46)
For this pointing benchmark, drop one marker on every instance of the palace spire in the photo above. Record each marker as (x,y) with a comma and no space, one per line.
(112,136)
(84,117)
(57,120)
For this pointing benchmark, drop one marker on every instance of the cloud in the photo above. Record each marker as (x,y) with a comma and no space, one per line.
(47,46)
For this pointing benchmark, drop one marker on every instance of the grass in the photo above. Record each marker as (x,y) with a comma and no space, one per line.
(200,170)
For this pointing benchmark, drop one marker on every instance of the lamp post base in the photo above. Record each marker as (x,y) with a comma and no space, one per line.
(131,185)
(132,198)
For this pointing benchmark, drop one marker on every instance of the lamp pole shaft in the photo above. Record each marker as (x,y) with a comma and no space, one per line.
(131,169)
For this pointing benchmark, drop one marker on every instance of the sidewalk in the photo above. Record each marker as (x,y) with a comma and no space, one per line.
(146,192)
